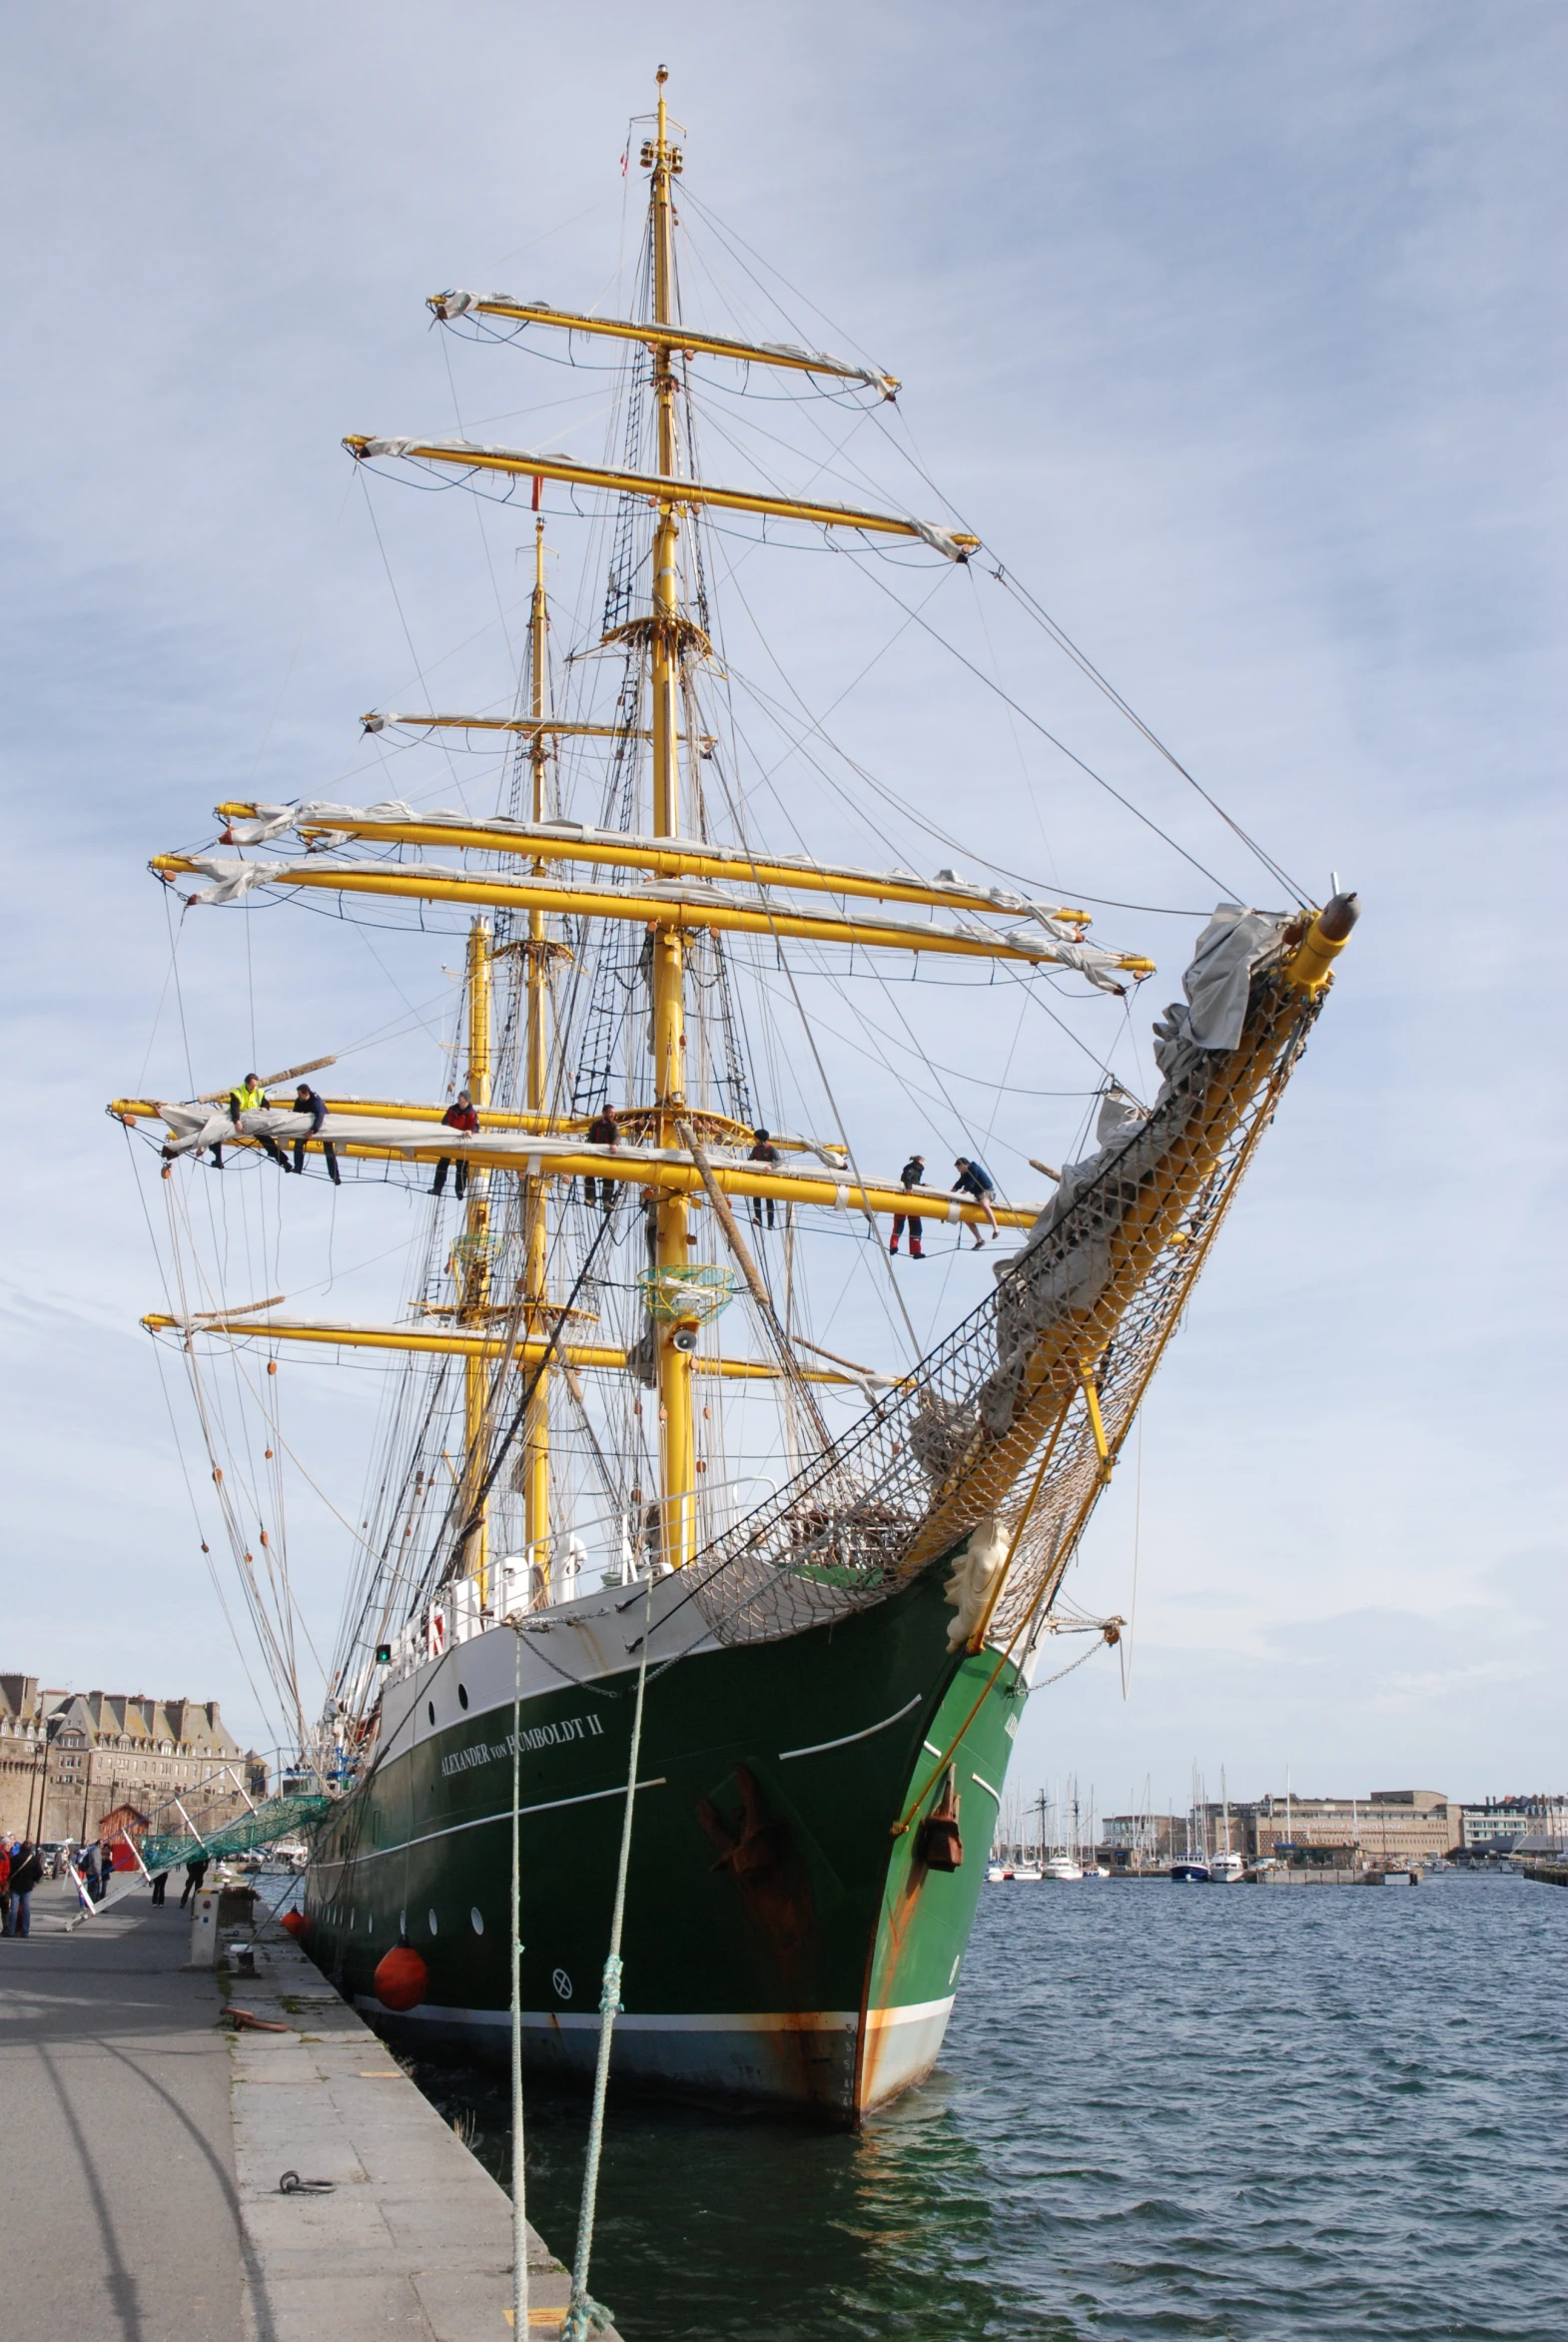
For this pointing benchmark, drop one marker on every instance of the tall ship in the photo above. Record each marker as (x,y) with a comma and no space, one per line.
(623,1446)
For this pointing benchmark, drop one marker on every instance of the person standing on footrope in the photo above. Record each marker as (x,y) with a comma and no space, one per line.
(306,1101)
(764,1151)
(460,1117)
(973,1179)
(910,1178)
(603,1130)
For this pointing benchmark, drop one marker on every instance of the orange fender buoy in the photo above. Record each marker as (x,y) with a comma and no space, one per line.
(297,1924)
(401,1979)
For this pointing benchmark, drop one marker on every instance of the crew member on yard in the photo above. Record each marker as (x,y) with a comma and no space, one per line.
(973,1179)
(306,1101)
(603,1130)
(763,1151)
(247,1097)
(459,1117)
(910,1178)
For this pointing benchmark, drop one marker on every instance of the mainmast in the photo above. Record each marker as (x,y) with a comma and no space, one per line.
(677,1445)
(535,1232)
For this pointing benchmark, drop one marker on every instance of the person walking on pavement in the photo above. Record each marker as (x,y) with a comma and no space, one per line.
(194,1873)
(973,1179)
(910,1178)
(459,1117)
(247,1097)
(603,1130)
(306,1101)
(26,1871)
(5,1886)
(91,1870)
(766,1152)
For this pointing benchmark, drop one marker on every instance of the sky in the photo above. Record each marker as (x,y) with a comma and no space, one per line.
(1237,331)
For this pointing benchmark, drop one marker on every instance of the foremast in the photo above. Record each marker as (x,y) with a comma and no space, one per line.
(677,1441)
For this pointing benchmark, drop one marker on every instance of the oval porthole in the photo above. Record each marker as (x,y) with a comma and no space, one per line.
(462,1697)
(429,1710)
(477,1919)
(403,1926)
(430,1915)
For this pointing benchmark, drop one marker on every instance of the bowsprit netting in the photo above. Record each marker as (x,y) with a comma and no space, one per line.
(998,1426)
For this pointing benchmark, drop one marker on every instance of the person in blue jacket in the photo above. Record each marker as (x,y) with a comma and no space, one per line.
(306,1101)
(973,1179)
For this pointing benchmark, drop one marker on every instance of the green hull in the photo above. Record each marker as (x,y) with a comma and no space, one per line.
(782,1943)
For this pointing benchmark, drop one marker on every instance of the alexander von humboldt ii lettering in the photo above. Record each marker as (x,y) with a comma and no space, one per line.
(621,1417)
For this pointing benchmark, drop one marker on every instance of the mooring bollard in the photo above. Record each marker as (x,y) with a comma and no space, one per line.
(204,1927)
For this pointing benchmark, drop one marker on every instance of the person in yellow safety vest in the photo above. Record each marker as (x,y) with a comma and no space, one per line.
(247,1097)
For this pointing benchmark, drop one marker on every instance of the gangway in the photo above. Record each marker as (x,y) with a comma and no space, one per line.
(228,1822)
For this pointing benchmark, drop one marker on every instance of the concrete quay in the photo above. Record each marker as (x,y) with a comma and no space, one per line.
(144,2141)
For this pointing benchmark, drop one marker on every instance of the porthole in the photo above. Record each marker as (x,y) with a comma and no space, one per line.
(403,1926)
(430,1915)
(429,1710)
(477,1919)
(462,1697)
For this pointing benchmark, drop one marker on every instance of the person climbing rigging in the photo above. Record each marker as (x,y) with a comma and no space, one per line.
(766,1152)
(247,1097)
(307,1102)
(973,1179)
(910,1178)
(603,1130)
(459,1117)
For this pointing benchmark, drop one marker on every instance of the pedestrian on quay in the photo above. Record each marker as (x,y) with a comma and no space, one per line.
(194,1873)
(26,1871)
(160,1889)
(973,1179)
(92,1871)
(459,1116)
(308,1102)
(910,1178)
(5,1886)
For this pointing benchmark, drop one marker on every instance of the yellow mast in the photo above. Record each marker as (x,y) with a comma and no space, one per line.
(474,1264)
(677,1446)
(536,1429)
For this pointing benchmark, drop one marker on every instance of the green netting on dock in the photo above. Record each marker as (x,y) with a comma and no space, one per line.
(280,1817)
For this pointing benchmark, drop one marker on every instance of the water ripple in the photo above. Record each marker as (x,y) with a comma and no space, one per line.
(1246,2115)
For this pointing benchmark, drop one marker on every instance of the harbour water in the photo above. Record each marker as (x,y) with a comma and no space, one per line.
(1160,2110)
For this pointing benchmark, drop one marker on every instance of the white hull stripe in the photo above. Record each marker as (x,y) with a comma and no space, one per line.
(817,1748)
(986,1786)
(552,1805)
(822,2020)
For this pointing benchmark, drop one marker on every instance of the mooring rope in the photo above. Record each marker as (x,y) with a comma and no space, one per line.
(583,2311)
(519,2223)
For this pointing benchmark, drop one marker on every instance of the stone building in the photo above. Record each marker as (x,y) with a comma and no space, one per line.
(1391,1824)
(72,1756)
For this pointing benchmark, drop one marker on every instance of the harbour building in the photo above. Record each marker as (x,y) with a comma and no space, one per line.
(1498,1825)
(1394,1826)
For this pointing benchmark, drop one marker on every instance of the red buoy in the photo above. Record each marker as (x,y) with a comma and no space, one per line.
(297,1924)
(401,1979)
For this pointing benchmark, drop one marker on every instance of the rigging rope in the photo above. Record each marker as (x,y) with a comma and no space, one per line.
(583,2311)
